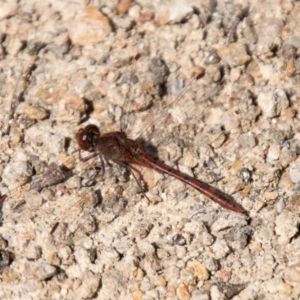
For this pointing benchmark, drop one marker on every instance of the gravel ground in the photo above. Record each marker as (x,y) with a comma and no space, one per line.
(65,64)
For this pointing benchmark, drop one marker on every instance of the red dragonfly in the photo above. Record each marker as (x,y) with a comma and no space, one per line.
(117,147)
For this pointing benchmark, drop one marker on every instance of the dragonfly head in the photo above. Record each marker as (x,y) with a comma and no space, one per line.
(88,137)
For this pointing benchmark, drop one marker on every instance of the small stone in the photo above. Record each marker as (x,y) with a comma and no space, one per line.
(123,6)
(16,174)
(34,112)
(134,11)
(159,281)
(288,52)
(73,182)
(70,109)
(198,270)
(142,230)
(33,252)
(295,172)
(214,73)
(294,203)
(183,292)
(273,152)
(16,139)
(90,283)
(235,55)
(45,271)
(145,247)
(279,206)
(110,254)
(54,142)
(211,264)
(238,237)
(14,46)
(89,27)
(207,239)
(66,160)
(224,223)
(286,225)
(139,274)
(284,288)
(212,58)
(272,104)
(220,249)
(64,252)
(216,137)
(235,74)
(247,140)
(270,195)
(171,274)
(287,157)
(137,295)
(189,159)
(153,198)
(290,67)
(9,275)
(4,259)
(3,243)
(7,9)
(292,274)
(173,12)
(34,200)
(246,80)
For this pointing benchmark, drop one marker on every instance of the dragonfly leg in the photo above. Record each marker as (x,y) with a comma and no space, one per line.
(87,157)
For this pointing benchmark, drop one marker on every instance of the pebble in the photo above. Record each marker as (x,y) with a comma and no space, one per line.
(272,104)
(214,73)
(34,200)
(89,285)
(292,274)
(171,274)
(211,264)
(294,203)
(238,237)
(220,249)
(273,152)
(217,137)
(3,243)
(9,275)
(142,230)
(198,269)
(55,143)
(286,226)
(123,6)
(235,74)
(174,12)
(235,55)
(287,157)
(294,172)
(189,159)
(16,174)
(40,271)
(89,27)
(145,247)
(279,206)
(5,259)
(183,292)
(69,109)
(270,195)
(7,9)
(224,223)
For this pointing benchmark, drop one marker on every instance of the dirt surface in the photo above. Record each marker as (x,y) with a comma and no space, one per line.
(65,64)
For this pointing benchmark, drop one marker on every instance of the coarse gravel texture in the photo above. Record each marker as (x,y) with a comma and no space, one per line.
(65,64)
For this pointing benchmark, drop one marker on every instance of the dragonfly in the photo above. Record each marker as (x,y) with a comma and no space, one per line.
(116,147)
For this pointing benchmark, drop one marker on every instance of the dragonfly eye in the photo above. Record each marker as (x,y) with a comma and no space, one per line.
(88,137)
